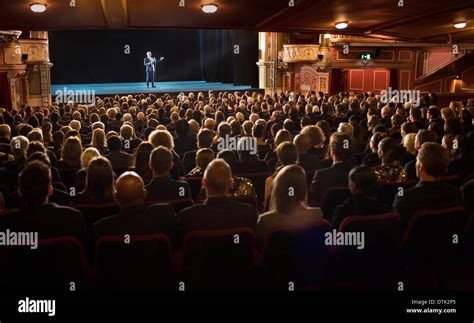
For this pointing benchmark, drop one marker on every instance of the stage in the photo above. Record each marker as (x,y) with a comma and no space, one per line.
(161,87)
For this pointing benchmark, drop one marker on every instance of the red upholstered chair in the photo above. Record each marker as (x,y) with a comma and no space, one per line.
(296,254)
(376,264)
(52,266)
(178,204)
(219,259)
(144,263)
(95,212)
(387,191)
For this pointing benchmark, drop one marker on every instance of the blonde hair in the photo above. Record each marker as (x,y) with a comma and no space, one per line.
(89,154)
(409,143)
(161,138)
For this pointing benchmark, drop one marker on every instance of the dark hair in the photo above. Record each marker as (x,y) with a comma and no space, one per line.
(434,158)
(342,145)
(258,131)
(181,127)
(142,155)
(426,136)
(99,179)
(114,143)
(230,158)
(364,178)
(287,153)
(161,160)
(34,182)
(204,138)
(392,151)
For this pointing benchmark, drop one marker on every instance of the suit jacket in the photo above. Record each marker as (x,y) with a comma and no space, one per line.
(467,191)
(49,220)
(216,213)
(426,196)
(410,169)
(309,162)
(358,205)
(334,176)
(184,144)
(119,159)
(158,218)
(165,189)
(150,66)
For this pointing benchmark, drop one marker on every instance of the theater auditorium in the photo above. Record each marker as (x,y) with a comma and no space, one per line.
(305,147)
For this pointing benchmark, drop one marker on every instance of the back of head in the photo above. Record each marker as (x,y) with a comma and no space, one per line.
(217,178)
(390,150)
(203,157)
(425,136)
(114,143)
(362,180)
(433,158)
(161,160)
(287,154)
(290,178)
(100,178)
(130,190)
(161,138)
(302,143)
(35,182)
(230,158)
(182,128)
(341,145)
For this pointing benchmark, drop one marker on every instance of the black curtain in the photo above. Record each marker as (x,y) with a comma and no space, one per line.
(220,62)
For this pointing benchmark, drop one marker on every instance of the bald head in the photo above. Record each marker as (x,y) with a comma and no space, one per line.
(217,178)
(130,190)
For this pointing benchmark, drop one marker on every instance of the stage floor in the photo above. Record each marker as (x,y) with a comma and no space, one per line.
(161,87)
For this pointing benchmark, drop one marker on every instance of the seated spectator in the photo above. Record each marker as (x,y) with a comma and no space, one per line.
(248,160)
(287,155)
(203,157)
(258,133)
(141,161)
(391,154)
(183,141)
(340,149)
(71,154)
(362,184)
(162,187)
(98,141)
(421,137)
(164,138)
(131,141)
(467,191)
(80,177)
(117,157)
(287,209)
(372,159)
(218,212)
(430,193)
(204,140)
(99,184)
(39,215)
(134,218)
(302,143)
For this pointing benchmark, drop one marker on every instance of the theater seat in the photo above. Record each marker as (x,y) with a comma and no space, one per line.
(219,259)
(296,256)
(428,238)
(452,179)
(54,265)
(142,264)
(178,204)
(375,263)
(331,198)
(95,212)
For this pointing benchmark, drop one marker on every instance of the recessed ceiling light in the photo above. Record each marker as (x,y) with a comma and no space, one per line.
(38,7)
(460,25)
(327,36)
(342,24)
(209,8)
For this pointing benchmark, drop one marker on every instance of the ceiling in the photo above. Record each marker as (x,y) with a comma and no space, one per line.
(416,20)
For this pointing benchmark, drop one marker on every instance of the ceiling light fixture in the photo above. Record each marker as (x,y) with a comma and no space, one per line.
(327,36)
(209,8)
(342,24)
(38,7)
(460,25)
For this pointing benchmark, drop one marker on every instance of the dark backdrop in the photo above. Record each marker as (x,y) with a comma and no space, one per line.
(97,56)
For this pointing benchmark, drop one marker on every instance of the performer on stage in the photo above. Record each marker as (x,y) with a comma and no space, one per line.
(150,68)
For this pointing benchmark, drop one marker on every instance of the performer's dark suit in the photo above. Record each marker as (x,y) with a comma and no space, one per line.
(150,67)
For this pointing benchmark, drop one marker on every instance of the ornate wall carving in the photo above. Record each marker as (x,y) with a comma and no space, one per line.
(300,53)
